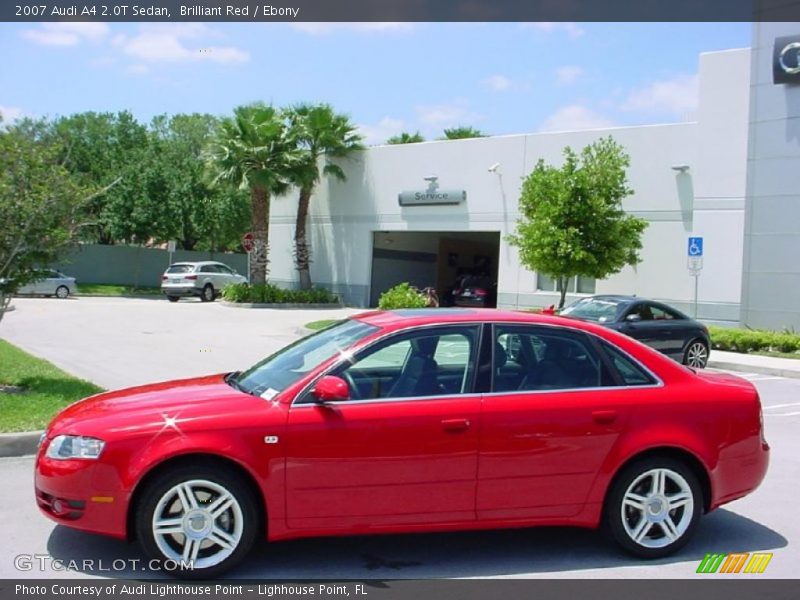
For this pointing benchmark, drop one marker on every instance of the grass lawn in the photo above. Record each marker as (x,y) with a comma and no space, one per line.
(32,390)
(317,325)
(107,289)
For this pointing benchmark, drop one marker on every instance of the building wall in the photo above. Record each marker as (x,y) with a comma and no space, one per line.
(771,278)
(707,200)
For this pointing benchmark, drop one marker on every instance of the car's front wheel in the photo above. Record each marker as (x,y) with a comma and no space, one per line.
(62,292)
(202,520)
(653,507)
(173,298)
(696,355)
(207,295)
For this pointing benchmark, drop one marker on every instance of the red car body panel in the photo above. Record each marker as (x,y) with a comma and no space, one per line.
(461,462)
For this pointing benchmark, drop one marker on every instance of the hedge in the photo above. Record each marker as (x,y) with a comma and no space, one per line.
(402,296)
(754,340)
(266,293)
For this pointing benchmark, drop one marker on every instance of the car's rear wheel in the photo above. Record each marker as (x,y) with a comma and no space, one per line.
(207,295)
(696,355)
(201,521)
(173,298)
(62,292)
(653,507)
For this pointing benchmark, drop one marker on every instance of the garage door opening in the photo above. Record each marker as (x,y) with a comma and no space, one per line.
(444,260)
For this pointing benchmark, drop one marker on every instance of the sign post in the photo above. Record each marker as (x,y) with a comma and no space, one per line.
(695,264)
(171,249)
(247,244)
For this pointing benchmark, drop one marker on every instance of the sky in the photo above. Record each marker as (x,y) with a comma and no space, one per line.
(502,78)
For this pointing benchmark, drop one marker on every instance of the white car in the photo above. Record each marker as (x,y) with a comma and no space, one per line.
(53,284)
(204,279)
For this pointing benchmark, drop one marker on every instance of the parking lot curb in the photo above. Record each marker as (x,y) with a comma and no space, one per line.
(282,306)
(761,370)
(23,443)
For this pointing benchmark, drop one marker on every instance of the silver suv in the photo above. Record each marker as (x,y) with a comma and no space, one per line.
(204,279)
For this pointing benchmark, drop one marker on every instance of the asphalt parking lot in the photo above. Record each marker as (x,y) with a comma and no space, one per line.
(119,342)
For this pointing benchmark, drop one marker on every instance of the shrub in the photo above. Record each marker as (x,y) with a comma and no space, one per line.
(402,296)
(266,293)
(754,340)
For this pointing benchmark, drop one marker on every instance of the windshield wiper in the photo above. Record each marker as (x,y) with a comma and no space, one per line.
(230,379)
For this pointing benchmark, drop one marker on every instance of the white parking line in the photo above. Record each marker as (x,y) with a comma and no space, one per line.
(781,405)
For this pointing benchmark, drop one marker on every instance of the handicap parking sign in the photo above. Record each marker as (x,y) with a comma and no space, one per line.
(695,246)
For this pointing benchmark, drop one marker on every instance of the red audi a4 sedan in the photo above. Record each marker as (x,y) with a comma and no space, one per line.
(409,421)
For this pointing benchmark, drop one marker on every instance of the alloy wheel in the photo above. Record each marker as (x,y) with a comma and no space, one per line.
(198,521)
(62,292)
(657,508)
(697,355)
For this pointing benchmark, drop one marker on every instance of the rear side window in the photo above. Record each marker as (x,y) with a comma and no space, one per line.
(180,269)
(630,372)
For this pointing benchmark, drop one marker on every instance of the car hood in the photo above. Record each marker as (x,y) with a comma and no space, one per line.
(195,403)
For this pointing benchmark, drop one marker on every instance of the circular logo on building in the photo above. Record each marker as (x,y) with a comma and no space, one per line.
(789,58)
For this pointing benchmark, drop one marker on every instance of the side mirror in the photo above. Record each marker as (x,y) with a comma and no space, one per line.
(331,389)
(633,318)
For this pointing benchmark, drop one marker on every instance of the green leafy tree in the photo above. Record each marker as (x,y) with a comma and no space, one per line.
(195,213)
(40,205)
(104,148)
(572,222)
(406,138)
(462,133)
(255,150)
(321,134)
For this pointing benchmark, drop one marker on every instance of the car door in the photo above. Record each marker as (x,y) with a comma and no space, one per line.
(402,450)
(645,329)
(672,330)
(49,283)
(543,444)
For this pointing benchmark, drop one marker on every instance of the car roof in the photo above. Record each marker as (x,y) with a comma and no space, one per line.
(397,319)
(617,297)
(196,263)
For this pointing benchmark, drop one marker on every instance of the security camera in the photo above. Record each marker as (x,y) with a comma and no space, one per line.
(494,167)
(431,178)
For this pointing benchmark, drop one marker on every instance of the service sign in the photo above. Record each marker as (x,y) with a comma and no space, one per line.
(435,197)
(786,59)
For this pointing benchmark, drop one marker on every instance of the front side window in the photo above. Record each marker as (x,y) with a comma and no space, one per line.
(430,362)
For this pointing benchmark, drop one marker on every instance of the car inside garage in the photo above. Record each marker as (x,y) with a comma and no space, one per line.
(438,259)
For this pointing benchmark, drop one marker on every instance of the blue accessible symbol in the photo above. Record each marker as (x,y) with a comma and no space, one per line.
(695,246)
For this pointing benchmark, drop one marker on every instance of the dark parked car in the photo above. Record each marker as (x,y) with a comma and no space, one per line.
(475,291)
(664,328)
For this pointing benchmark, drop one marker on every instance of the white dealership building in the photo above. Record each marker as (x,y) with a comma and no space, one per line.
(425,212)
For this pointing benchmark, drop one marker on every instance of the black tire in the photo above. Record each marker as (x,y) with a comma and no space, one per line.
(62,292)
(173,298)
(655,542)
(207,295)
(696,354)
(161,488)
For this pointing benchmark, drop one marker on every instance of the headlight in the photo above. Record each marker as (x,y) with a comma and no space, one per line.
(74,446)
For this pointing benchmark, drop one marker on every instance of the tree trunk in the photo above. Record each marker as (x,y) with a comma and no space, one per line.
(259,225)
(562,285)
(302,254)
(5,303)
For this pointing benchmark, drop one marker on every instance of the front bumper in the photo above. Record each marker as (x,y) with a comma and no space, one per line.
(83,494)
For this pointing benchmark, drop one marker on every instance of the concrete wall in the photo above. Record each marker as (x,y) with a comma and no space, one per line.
(771,278)
(707,200)
(134,265)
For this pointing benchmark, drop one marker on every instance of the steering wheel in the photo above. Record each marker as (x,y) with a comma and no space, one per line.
(348,378)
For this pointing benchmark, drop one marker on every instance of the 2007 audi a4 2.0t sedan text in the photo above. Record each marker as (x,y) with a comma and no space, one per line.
(409,421)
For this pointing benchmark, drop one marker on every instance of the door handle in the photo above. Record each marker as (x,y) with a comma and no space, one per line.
(604,417)
(455,425)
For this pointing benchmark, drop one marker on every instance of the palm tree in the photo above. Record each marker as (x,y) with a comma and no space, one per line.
(462,133)
(406,138)
(320,132)
(255,150)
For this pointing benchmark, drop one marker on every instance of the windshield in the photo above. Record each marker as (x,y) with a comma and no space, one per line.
(594,309)
(288,365)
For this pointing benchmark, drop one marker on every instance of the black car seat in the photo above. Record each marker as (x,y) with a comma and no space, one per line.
(420,376)
(550,372)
